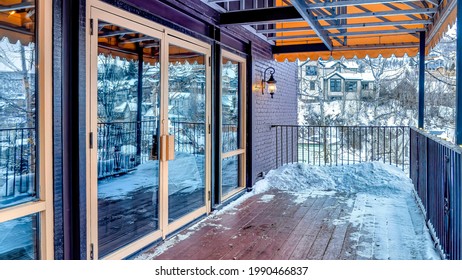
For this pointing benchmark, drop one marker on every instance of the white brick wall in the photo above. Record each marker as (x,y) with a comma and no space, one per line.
(282,109)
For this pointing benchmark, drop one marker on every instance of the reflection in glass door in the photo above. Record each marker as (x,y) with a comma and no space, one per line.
(187,92)
(128,94)
(233,123)
(149,124)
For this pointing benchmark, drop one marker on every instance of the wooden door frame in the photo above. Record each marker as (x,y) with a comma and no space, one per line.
(241,150)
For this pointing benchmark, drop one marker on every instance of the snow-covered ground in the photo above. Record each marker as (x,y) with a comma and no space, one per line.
(387,221)
(186,175)
(17,239)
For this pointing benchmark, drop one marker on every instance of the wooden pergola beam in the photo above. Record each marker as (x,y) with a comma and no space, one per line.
(256,16)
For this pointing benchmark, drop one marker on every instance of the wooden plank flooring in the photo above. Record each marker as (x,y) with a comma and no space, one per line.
(265,227)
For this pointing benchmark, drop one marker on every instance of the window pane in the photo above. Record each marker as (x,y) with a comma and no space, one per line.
(19,239)
(230,174)
(230,105)
(351,86)
(187,87)
(18,138)
(128,123)
(335,85)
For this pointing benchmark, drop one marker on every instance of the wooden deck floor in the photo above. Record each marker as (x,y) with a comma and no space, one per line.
(268,226)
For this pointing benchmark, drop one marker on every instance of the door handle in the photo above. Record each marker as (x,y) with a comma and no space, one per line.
(167,147)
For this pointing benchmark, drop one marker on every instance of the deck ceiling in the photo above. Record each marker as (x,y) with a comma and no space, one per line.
(302,29)
(17,20)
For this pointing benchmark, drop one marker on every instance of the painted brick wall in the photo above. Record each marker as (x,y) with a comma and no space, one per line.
(282,109)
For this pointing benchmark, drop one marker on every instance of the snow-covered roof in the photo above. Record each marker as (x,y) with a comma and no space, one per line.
(179,94)
(150,113)
(346,64)
(368,76)
(228,100)
(132,106)
(392,74)
(352,76)
(120,108)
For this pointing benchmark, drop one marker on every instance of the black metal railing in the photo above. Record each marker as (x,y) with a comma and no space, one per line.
(436,171)
(189,137)
(342,145)
(17,161)
(122,146)
(230,137)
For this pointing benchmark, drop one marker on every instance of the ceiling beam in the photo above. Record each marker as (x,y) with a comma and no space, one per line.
(116,33)
(21,6)
(254,16)
(377,14)
(375,33)
(352,3)
(321,47)
(222,1)
(16,29)
(300,48)
(302,8)
(347,26)
(138,39)
(433,2)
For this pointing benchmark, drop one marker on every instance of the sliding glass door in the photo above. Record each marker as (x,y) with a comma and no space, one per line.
(148,138)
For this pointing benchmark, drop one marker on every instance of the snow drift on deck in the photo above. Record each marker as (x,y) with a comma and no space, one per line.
(388,221)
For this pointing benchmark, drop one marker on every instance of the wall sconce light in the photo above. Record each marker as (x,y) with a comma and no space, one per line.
(271,82)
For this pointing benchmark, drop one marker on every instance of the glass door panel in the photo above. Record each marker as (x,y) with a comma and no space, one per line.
(128,94)
(187,123)
(232,141)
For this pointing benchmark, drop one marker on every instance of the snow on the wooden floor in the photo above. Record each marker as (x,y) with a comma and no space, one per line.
(387,220)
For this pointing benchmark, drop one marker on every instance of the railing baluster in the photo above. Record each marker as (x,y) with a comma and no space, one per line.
(276,132)
(360,144)
(292,144)
(303,144)
(336,145)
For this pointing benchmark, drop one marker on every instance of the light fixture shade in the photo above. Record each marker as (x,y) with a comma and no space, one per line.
(271,85)
(271,82)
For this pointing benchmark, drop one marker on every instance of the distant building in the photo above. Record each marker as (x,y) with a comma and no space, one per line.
(335,80)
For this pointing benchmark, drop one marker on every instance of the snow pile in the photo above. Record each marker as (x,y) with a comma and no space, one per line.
(387,221)
(372,177)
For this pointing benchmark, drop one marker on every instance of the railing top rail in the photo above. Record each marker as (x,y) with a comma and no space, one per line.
(19,128)
(346,126)
(438,140)
(146,121)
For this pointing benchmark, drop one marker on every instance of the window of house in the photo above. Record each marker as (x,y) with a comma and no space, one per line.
(311,70)
(22,203)
(312,85)
(335,85)
(350,86)
(364,85)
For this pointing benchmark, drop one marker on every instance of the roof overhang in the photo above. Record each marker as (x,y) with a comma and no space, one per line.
(302,29)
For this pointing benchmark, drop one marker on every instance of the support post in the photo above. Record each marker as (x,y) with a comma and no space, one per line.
(216,117)
(421,80)
(139,102)
(458,130)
